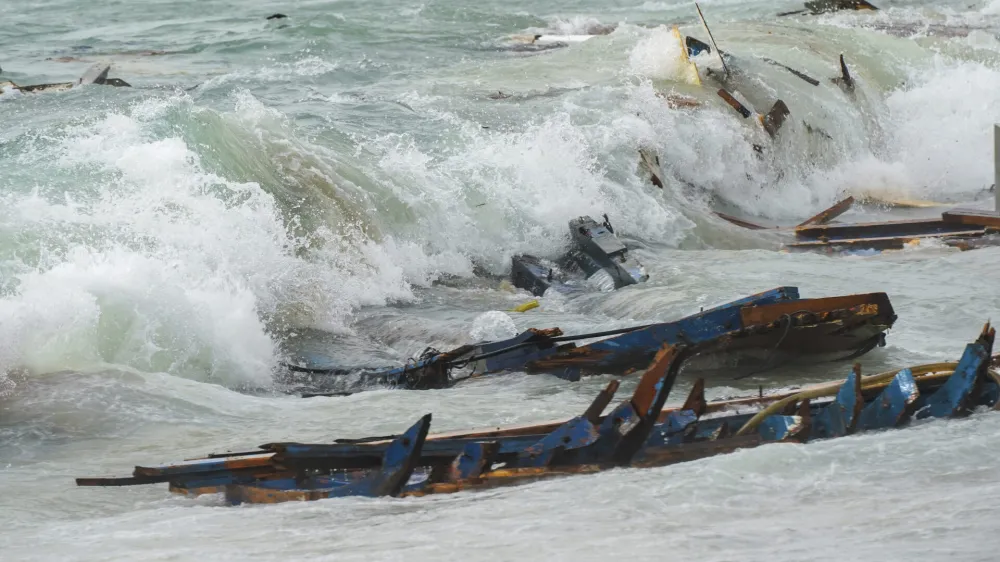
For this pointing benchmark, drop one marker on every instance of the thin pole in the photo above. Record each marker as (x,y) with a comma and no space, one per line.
(996,168)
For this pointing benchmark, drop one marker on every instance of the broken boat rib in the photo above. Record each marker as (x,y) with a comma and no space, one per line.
(638,432)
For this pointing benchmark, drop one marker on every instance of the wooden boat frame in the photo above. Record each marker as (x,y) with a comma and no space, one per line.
(638,432)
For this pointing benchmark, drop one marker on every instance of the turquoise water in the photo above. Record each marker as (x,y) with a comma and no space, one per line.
(337,176)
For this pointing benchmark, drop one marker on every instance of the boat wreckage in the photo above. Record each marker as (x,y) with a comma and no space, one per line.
(760,330)
(97,74)
(639,432)
(965,229)
(598,259)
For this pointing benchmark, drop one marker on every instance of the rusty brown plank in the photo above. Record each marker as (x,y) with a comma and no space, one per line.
(973,217)
(696,398)
(830,213)
(740,222)
(646,391)
(766,314)
(568,358)
(885,242)
(206,465)
(884,229)
(593,413)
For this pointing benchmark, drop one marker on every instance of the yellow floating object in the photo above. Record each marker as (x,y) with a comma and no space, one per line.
(901,202)
(689,69)
(525,307)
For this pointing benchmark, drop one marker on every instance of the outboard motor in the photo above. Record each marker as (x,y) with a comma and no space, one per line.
(597,254)
(598,249)
(531,274)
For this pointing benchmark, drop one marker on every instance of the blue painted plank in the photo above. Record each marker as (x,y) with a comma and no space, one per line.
(639,345)
(673,430)
(780,428)
(399,461)
(692,329)
(990,394)
(893,406)
(200,466)
(679,419)
(840,417)
(956,397)
(474,459)
(626,429)
(574,434)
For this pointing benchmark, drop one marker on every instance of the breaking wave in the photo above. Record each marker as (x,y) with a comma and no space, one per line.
(174,237)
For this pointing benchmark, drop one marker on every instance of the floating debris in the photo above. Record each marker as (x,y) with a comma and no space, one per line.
(845,81)
(817,7)
(97,74)
(776,324)
(597,256)
(639,432)
(961,228)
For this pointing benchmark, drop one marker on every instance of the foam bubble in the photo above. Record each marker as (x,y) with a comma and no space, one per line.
(491,326)
(658,55)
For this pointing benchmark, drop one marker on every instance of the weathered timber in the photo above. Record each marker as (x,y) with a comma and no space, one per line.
(827,215)
(958,396)
(840,417)
(903,228)
(972,217)
(639,432)
(894,405)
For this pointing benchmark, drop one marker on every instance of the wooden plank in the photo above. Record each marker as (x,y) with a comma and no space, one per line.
(829,214)
(893,406)
(651,162)
(740,222)
(574,434)
(887,229)
(767,313)
(882,242)
(840,417)
(972,217)
(957,397)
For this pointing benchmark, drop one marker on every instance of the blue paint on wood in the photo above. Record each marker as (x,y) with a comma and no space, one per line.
(640,345)
(613,428)
(574,434)
(678,420)
(840,417)
(197,466)
(673,430)
(625,431)
(893,406)
(472,461)
(955,397)
(399,460)
(568,374)
(780,428)
(516,358)
(989,395)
